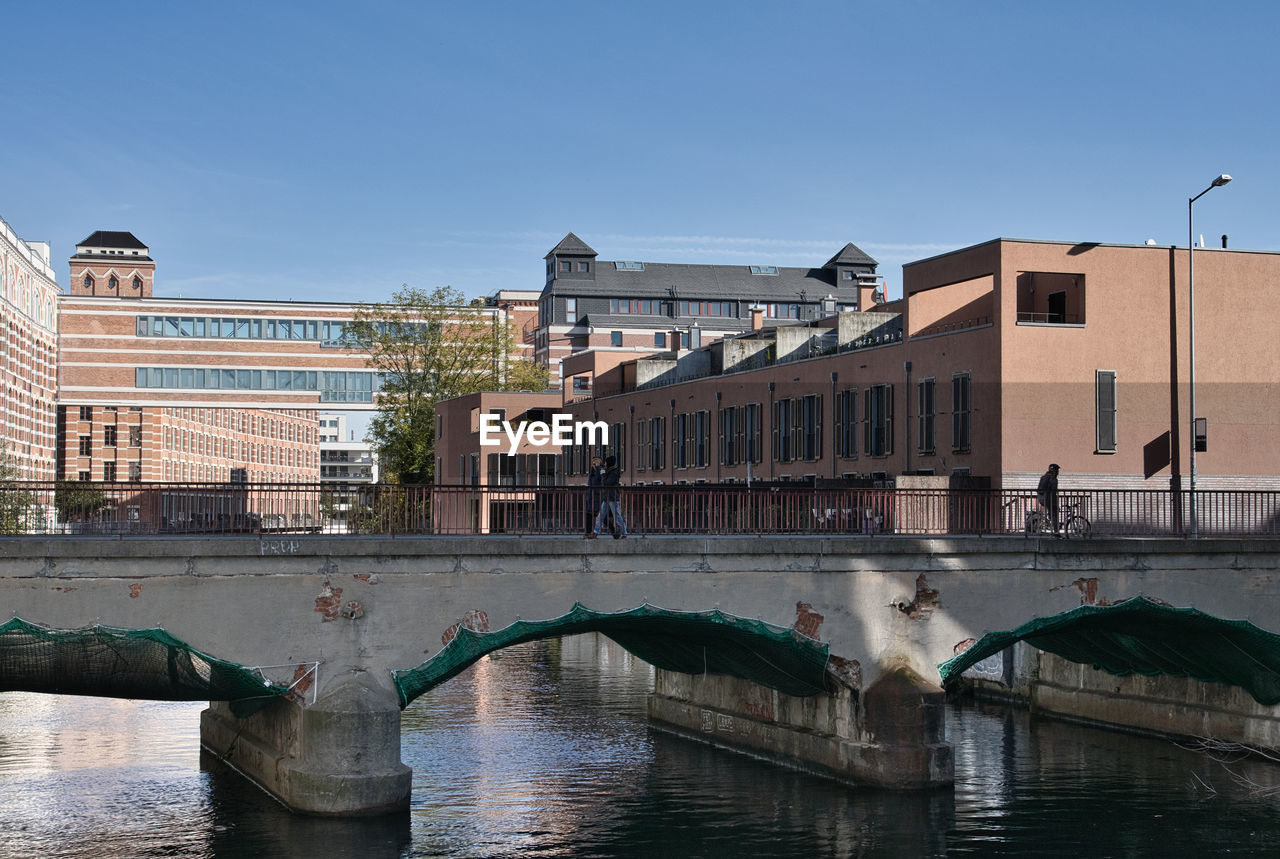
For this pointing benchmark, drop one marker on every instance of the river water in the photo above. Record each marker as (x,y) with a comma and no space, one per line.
(544,750)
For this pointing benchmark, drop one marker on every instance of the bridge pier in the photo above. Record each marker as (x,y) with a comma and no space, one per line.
(337,757)
(892,738)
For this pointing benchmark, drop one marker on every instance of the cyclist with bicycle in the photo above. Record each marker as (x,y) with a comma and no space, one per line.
(1047,495)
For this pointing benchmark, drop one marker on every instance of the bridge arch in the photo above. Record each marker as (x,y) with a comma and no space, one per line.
(113,662)
(1145,636)
(688,642)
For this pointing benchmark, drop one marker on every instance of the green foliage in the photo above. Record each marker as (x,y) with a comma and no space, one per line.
(432,346)
(76,501)
(17,503)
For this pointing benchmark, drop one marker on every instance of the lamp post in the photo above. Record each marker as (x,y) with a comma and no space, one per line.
(1191,342)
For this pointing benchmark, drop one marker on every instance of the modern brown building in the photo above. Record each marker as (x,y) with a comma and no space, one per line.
(999,359)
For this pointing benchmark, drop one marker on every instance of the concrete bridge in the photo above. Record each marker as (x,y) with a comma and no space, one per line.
(363,624)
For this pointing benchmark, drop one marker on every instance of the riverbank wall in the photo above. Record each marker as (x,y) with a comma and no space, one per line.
(1177,707)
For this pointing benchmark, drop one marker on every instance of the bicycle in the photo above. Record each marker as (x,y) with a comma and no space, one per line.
(1074,524)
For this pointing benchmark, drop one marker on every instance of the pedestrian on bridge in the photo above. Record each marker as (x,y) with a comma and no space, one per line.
(611,503)
(1047,494)
(595,476)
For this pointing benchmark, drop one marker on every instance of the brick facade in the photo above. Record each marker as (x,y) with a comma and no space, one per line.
(28,355)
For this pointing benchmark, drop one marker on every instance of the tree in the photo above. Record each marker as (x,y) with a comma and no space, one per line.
(432,346)
(17,503)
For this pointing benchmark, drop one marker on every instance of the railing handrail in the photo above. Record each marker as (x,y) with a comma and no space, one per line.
(61,507)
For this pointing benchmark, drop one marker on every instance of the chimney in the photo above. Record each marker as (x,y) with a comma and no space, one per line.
(1224,241)
(757,317)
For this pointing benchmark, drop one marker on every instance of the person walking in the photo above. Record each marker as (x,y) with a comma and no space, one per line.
(592,507)
(611,505)
(1047,495)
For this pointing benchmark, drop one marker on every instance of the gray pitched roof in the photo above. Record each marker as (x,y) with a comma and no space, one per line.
(113,239)
(850,254)
(709,282)
(571,245)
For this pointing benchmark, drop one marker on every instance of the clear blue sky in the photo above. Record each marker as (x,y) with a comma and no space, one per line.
(325,151)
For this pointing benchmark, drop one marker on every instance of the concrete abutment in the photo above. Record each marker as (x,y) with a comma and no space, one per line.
(892,736)
(337,757)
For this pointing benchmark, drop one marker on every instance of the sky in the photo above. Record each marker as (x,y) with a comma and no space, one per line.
(333,151)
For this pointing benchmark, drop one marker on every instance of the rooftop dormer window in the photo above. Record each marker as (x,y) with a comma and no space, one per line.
(629,266)
(764,269)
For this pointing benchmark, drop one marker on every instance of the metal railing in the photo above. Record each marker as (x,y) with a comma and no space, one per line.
(71,508)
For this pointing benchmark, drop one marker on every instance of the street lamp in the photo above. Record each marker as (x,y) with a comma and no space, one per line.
(1191,318)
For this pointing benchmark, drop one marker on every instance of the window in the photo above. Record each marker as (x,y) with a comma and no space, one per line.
(877,417)
(730,441)
(584,266)
(680,441)
(846,275)
(620,444)
(764,269)
(657,443)
(571,309)
(847,424)
(85,477)
(615,338)
(701,439)
(112,283)
(646,306)
(135,436)
(660,339)
(135,472)
(88,281)
(751,431)
(86,413)
(706,308)
(109,436)
(137,283)
(565,265)
(86,445)
(783,450)
(960,412)
(109,471)
(811,427)
(642,444)
(629,266)
(782,311)
(1105,385)
(925,419)
(581,385)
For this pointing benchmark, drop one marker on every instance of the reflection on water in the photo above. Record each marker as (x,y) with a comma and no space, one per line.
(544,750)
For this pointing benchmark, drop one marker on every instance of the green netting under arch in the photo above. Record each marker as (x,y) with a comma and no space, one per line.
(124,663)
(690,642)
(1141,636)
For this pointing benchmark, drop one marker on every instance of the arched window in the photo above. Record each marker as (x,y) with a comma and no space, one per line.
(112,283)
(137,283)
(88,281)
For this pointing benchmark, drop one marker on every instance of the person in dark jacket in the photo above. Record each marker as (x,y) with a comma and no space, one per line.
(595,476)
(611,504)
(1047,495)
